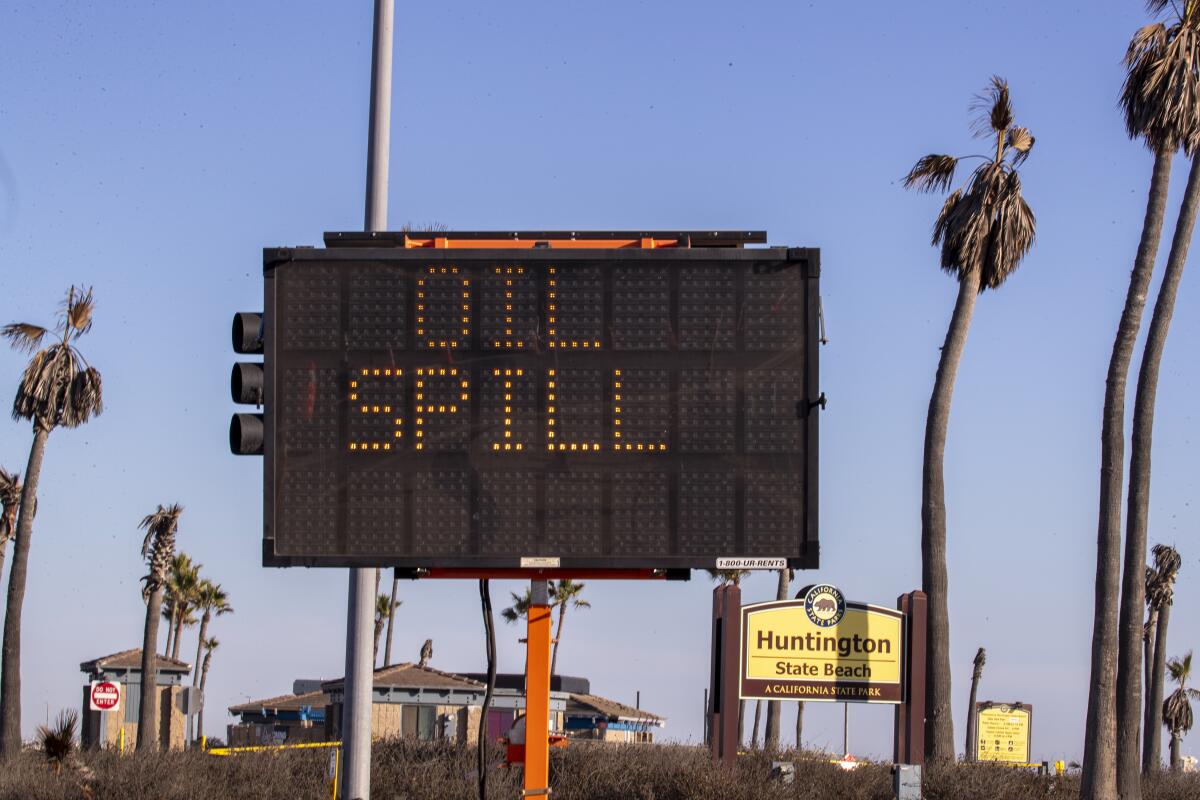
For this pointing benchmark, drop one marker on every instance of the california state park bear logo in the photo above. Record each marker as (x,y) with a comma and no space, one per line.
(824,605)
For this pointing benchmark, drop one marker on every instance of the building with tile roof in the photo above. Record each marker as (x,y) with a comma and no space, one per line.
(118,728)
(420,702)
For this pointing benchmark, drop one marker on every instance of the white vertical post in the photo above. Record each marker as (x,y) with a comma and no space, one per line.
(356,707)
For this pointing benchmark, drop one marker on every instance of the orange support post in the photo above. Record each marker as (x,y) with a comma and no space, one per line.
(537,693)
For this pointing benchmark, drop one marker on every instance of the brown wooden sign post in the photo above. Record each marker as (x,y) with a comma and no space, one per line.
(726,675)
(910,715)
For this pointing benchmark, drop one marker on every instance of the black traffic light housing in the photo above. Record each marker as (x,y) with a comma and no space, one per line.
(246,385)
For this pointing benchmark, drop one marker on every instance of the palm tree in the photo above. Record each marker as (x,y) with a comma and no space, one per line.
(209,645)
(771,737)
(732,577)
(1166,566)
(387,647)
(1161,59)
(984,230)
(212,600)
(1177,709)
(562,594)
(1148,663)
(158,548)
(1158,99)
(183,583)
(58,389)
(10,500)
(972,715)
(383,612)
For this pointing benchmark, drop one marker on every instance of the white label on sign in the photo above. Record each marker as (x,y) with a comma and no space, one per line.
(540,562)
(751,563)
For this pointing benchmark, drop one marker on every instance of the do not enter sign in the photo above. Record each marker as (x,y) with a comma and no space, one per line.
(106,696)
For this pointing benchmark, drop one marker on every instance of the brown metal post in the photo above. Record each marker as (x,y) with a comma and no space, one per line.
(910,715)
(725,679)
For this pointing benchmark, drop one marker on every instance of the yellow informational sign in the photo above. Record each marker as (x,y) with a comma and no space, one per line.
(820,647)
(1003,732)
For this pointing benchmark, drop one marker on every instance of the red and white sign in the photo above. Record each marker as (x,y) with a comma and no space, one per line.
(106,696)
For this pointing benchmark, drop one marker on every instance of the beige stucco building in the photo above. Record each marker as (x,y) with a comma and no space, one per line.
(178,704)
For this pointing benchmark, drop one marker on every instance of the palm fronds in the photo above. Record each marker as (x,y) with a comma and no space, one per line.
(158,548)
(212,599)
(77,312)
(993,109)
(1020,140)
(519,608)
(23,337)
(1161,93)
(728,577)
(1177,708)
(10,501)
(58,387)
(384,607)
(931,173)
(984,226)
(567,592)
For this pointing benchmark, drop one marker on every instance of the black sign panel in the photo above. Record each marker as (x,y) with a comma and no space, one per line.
(608,408)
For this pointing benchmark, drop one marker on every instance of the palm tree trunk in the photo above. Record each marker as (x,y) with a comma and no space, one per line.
(170,633)
(562,614)
(203,680)
(969,752)
(1133,590)
(391,624)
(10,671)
(799,724)
(378,634)
(1150,737)
(147,730)
(741,723)
(178,632)
(1098,778)
(939,719)
(200,647)
(771,736)
(754,732)
(1157,684)
(1176,752)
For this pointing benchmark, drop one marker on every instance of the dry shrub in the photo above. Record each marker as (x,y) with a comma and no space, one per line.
(405,770)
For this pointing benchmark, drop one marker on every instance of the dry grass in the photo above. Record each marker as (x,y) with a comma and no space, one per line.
(412,771)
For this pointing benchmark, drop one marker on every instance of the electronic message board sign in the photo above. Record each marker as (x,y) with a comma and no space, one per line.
(549,403)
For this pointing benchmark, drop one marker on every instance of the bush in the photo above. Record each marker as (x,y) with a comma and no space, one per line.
(405,770)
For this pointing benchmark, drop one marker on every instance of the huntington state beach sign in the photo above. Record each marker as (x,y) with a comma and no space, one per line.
(822,647)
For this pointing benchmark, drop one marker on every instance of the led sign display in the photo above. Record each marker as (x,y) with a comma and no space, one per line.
(590,408)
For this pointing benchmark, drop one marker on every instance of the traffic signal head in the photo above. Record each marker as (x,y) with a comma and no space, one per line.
(246,385)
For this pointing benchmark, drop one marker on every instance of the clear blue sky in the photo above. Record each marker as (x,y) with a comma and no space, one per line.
(153,149)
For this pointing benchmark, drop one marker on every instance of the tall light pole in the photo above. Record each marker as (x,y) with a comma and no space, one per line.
(360,608)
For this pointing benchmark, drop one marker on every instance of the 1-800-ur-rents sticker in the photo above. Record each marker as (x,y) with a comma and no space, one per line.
(751,563)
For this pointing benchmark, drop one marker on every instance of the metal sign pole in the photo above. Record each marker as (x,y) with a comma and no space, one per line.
(356,710)
(537,692)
